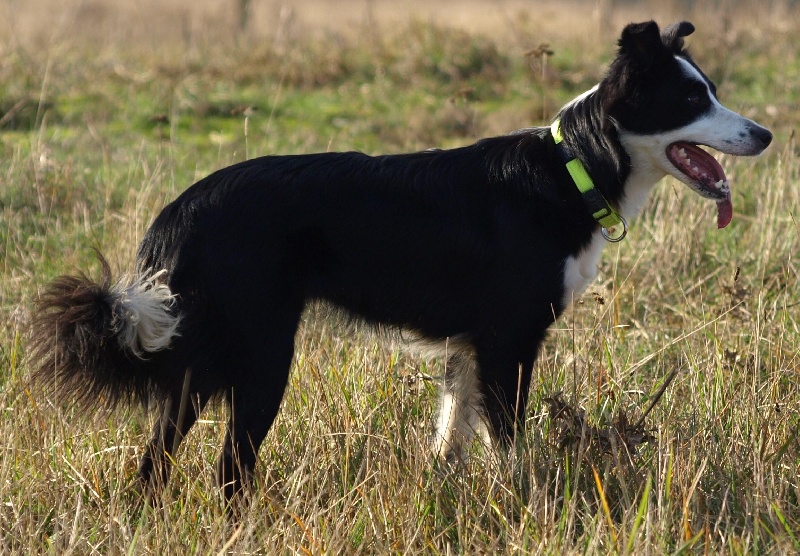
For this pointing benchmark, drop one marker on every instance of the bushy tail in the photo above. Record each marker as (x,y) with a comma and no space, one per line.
(91,342)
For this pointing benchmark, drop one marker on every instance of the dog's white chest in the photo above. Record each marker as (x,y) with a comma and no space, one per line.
(581,269)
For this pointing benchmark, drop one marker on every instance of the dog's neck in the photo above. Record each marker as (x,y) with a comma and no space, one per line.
(644,175)
(610,156)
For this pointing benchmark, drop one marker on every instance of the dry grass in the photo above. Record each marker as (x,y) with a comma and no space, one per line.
(115,107)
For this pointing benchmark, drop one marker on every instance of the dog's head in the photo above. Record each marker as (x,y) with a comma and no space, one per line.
(664,107)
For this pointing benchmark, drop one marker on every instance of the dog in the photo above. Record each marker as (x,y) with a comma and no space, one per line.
(481,247)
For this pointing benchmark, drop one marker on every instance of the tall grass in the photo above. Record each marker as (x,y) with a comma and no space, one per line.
(109,110)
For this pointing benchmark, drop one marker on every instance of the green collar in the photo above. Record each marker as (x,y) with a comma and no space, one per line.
(601,210)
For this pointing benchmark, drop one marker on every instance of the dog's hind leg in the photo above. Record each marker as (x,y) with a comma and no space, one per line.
(461,408)
(266,358)
(179,414)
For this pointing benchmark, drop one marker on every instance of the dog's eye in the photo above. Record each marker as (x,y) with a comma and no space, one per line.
(697,98)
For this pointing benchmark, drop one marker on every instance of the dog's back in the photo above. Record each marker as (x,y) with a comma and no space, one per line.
(417,241)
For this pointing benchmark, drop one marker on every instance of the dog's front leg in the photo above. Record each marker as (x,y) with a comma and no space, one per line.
(461,411)
(505,380)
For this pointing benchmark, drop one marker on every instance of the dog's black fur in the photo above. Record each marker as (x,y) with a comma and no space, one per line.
(468,243)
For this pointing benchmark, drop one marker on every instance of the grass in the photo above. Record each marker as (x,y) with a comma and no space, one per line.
(107,114)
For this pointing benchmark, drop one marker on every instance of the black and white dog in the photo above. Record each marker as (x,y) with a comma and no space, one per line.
(481,247)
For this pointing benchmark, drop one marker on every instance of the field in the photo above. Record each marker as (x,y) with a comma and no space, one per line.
(109,109)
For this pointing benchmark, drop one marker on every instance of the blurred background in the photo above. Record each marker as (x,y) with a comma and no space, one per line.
(219,23)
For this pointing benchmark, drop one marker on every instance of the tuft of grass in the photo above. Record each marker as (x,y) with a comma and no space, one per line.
(108,111)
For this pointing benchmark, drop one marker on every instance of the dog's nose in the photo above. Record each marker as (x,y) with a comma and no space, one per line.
(762,134)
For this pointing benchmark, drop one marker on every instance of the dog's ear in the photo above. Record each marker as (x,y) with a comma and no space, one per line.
(641,41)
(673,35)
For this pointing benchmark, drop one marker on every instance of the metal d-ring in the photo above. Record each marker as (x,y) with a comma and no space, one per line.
(621,236)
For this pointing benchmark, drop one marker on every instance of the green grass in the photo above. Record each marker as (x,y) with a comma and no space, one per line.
(100,131)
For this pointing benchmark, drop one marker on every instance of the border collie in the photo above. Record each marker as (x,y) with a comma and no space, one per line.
(481,247)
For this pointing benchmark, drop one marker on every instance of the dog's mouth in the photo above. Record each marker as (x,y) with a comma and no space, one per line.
(703,174)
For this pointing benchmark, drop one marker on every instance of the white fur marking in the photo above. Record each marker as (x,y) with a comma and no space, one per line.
(461,415)
(721,129)
(143,313)
(581,269)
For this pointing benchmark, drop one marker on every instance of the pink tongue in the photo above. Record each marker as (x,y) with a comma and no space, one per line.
(724,212)
(706,171)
